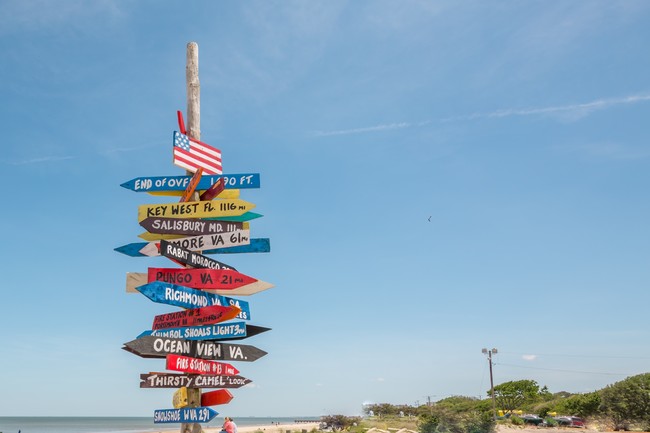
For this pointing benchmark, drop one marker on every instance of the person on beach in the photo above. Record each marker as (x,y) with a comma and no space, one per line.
(228,426)
(233,424)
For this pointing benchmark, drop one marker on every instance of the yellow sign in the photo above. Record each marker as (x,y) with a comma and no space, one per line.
(227,193)
(196,209)
(180,398)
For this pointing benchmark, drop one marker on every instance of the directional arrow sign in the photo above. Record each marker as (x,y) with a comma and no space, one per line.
(193,227)
(241,218)
(136,279)
(256,245)
(184,415)
(214,279)
(196,316)
(216,397)
(179,296)
(203,242)
(191,187)
(179,183)
(160,347)
(190,258)
(195,209)
(213,191)
(187,364)
(172,380)
(189,226)
(228,193)
(221,331)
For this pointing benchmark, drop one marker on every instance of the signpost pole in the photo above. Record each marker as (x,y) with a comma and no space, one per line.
(194,131)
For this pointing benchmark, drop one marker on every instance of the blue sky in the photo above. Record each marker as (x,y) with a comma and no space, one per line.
(437,177)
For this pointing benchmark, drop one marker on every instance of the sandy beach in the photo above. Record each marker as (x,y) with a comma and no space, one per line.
(266,428)
(271,428)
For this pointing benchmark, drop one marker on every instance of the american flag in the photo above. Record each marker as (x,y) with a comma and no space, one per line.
(192,154)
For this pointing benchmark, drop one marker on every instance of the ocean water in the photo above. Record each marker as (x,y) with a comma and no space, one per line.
(13,424)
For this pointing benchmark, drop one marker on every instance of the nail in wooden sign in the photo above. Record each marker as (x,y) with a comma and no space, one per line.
(203,242)
(256,245)
(179,183)
(213,279)
(173,380)
(185,297)
(160,347)
(221,331)
(190,258)
(189,226)
(195,317)
(195,209)
(184,415)
(187,364)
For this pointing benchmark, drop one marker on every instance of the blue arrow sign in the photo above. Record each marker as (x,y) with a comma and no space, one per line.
(184,415)
(185,297)
(257,245)
(220,331)
(179,183)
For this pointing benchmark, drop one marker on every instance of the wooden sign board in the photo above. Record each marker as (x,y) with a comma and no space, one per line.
(228,193)
(216,397)
(203,242)
(190,258)
(195,209)
(214,190)
(191,187)
(195,317)
(214,279)
(187,364)
(173,380)
(256,245)
(221,331)
(189,226)
(160,347)
(185,415)
(185,297)
(180,183)
(136,279)
(180,398)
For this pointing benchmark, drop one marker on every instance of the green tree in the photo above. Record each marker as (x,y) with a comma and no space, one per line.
(628,401)
(514,394)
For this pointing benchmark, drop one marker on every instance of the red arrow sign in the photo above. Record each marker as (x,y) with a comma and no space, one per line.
(213,398)
(188,364)
(195,317)
(214,279)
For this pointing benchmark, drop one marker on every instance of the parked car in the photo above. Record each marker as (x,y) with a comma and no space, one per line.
(570,421)
(532,419)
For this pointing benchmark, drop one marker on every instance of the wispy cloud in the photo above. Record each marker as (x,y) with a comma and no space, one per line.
(607,150)
(366,129)
(529,357)
(574,111)
(570,112)
(41,160)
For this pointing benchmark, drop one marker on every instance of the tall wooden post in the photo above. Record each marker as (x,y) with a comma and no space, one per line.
(194,131)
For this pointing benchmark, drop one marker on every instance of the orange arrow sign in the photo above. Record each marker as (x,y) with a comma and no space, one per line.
(213,398)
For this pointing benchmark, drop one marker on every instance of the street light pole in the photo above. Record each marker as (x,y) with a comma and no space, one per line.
(494,404)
